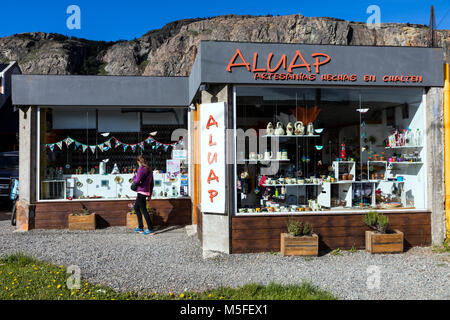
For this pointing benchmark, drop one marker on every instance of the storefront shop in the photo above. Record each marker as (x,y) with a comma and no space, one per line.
(85,145)
(256,134)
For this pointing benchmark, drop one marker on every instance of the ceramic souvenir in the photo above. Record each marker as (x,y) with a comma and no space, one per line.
(299,128)
(289,129)
(279,131)
(267,155)
(269,129)
(310,129)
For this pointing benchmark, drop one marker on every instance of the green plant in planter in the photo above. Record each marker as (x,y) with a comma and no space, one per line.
(378,222)
(294,227)
(370,219)
(84,212)
(134,211)
(382,223)
(297,228)
(307,229)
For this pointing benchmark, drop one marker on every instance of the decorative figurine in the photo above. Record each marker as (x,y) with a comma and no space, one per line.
(115,169)
(343,151)
(310,129)
(269,129)
(299,128)
(279,131)
(289,129)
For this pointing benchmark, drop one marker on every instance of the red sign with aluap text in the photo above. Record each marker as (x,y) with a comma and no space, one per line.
(306,68)
(212,150)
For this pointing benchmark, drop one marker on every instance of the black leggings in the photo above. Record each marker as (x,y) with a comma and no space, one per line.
(140,207)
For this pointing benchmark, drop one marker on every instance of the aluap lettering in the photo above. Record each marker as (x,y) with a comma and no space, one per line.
(269,70)
(212,157)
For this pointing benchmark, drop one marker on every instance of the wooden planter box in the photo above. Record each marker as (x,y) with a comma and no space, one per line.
(82,222)
(132,222)
(299,246)
(384,242)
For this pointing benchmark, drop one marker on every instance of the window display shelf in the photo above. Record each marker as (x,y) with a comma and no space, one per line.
(293,185)
(406,162)
(341,181)
(403,147)
(263,160)
(292,136)
(334,210)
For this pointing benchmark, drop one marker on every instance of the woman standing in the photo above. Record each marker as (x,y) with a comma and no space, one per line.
(144,181)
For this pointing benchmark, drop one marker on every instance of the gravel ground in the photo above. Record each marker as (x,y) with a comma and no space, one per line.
(172,261)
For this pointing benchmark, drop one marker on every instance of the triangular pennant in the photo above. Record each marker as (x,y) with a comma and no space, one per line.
(100,146)
(77,144)
(125,146)
(108,143)
(133,147)
(59,144)
(51,146)
(93,148)
(68,141)
(106,148)
(166,147)
(141,145)
(84,147)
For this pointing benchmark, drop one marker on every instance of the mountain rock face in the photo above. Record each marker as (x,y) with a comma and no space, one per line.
(171,50)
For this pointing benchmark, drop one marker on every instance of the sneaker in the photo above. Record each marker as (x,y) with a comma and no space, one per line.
(147,231)
(138,230)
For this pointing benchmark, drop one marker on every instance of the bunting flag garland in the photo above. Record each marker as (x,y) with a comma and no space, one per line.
(68,141)
(105,146)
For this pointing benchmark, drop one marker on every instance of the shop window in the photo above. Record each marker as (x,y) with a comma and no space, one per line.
(91,154)
(329,149)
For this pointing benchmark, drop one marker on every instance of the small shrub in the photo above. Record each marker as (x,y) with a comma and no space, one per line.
(307,230)
(376,221)
(84,212)
(382,223)
(370,219)
(294,227)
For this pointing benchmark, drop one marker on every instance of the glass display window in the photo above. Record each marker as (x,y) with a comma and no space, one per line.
(91,153)
(329,149)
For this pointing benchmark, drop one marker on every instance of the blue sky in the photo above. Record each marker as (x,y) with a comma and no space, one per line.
(114,20)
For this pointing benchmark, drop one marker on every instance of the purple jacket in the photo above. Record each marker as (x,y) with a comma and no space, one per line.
(144,180)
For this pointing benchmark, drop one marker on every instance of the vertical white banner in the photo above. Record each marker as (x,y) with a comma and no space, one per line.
(212,122)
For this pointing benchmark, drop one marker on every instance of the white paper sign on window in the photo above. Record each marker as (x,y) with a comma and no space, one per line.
(212,122)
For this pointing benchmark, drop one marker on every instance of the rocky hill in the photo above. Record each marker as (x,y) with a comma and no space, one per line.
(170,51)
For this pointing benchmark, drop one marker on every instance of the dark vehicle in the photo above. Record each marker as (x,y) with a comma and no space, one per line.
(9,174)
